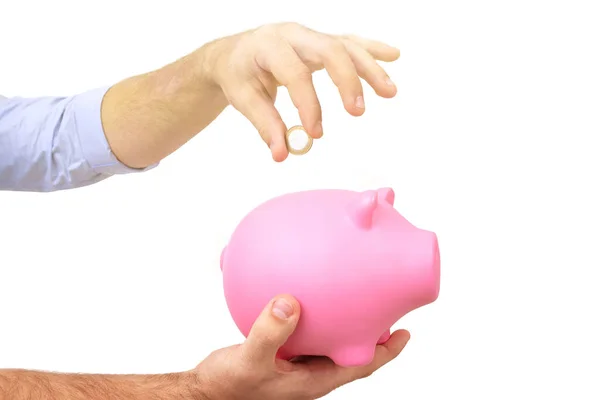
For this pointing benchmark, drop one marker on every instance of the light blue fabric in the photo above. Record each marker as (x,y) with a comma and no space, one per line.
(55,143)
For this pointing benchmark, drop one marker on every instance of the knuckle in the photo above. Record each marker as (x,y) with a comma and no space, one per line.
(294,71)
(279,29)
(267,28)
(334,46)
(350,37)
(266,37)
(289,26)
(302,72)
(347,43)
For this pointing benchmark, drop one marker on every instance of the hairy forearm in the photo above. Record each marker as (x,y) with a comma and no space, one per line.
(147,117)
(33,385)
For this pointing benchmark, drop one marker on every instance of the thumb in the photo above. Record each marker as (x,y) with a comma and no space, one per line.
(271,329)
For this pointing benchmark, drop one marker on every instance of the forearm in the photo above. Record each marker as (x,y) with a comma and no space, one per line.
(147,117)
(33,385)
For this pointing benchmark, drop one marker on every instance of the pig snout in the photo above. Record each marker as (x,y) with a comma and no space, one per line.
(427,268)
(435,269)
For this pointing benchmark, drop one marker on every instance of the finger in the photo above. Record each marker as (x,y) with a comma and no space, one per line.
(380,51)
(289,70)
(384,353)
(370,71)
(324,375)
(337,62)
(256,105)
(389,350)
(271,330)
(343,73)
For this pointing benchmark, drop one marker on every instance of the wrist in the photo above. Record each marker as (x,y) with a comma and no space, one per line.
(204,71)
(194,386)
(189,78)
(215,61)
(204,61)
(172,386)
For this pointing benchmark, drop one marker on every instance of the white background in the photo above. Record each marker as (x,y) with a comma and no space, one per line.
(492,142)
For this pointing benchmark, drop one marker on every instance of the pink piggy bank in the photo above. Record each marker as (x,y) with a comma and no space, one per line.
(355,265)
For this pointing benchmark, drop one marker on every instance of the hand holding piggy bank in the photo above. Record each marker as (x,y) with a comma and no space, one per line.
(355,265)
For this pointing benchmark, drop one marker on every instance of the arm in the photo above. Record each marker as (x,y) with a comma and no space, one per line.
(148,117)
(54,143)
(58,143)
(33,385)
(248,371)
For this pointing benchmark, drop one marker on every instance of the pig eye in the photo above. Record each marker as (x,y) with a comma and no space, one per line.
(298,142)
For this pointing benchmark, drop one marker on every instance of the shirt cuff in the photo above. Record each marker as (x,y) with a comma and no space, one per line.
(94,145)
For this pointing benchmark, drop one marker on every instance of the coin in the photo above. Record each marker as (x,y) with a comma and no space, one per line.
(297,140)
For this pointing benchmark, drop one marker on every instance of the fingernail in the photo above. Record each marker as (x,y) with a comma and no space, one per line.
(389,82)
(282,309)
(360,102)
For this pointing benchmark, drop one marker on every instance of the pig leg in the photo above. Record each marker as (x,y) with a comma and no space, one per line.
(353,356)
(384,337)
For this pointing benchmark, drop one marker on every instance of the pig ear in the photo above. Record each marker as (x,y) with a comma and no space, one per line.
(386,194)
(362,208)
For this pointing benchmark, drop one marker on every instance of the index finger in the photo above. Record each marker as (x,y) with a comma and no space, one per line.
(289,70)
(259,109)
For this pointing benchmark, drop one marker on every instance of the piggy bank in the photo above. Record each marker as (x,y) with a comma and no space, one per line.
(355,265)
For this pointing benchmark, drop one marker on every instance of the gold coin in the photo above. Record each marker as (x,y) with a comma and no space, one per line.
(288,141)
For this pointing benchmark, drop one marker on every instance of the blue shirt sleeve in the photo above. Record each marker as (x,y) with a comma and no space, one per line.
(55,143)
